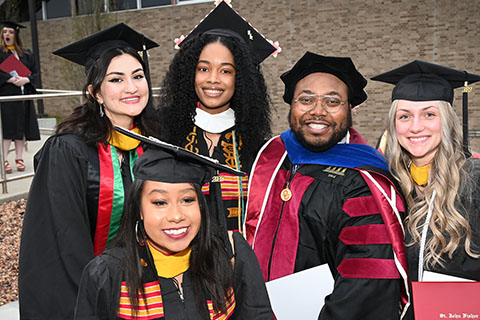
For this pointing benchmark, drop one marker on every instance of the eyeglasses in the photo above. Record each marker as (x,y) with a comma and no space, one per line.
(307,102)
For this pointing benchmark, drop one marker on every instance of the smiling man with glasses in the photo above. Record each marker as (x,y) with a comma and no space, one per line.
(318,195)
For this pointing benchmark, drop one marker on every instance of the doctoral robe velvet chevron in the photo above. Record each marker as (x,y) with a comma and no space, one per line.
(337,216)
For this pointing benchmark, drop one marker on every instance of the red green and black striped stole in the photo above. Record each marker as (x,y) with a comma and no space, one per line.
(111,194)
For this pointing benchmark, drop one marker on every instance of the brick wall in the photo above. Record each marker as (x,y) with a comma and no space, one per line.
(377,34)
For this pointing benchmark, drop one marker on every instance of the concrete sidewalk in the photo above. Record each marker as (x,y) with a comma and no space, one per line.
(9,311)
(18,189)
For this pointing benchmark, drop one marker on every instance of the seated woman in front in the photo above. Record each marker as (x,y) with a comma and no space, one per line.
(170,260)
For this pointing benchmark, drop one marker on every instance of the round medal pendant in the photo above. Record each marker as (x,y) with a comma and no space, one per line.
(286,194)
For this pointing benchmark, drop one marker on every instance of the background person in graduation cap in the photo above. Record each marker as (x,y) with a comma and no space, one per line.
(83,173)
(169,259)
(316,196)
(19,120)
(440,181)
(216,101)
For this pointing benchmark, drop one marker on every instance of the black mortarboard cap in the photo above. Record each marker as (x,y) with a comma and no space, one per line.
(172,164)
(85,51)
(424,81)
(342,68)
(225,21)
(11,24)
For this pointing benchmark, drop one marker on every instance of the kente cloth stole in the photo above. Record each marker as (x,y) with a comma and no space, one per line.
(229,156)
(225,142)
(230,303)
(234,189)
(111,194)
(150,304)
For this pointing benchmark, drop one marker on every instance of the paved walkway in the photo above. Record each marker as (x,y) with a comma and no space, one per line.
(16,190)
(9,311)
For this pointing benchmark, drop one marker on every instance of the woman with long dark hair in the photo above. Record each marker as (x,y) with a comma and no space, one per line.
(426,153)
(215,101)
(19,120)
(83,173)
(169,259)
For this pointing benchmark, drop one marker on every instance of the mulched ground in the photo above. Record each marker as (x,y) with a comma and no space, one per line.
(11,219)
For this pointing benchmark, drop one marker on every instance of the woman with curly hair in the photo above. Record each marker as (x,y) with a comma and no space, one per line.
(83,173)
(441,181)
(216,101)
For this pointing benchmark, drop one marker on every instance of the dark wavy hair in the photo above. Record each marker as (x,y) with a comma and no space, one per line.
(250,101)
(85,120)
(210,267)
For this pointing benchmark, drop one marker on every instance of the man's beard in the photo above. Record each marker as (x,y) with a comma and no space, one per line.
(339,133)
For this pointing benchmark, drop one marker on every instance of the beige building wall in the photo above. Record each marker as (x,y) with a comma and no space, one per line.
(377,34)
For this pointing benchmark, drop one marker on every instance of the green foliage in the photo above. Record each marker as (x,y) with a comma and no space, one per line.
(10,10)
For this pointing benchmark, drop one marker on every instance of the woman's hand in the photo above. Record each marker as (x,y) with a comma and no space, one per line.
(12,79)
(21,81)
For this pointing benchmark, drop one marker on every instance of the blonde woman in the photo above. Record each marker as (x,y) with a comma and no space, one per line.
(440,181)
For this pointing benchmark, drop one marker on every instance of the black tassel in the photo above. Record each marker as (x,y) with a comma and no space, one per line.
(218,213)
(466,90)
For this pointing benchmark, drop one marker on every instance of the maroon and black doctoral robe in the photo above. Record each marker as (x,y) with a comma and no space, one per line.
(337,216)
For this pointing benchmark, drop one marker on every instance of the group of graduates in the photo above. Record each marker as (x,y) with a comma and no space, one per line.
(185,210)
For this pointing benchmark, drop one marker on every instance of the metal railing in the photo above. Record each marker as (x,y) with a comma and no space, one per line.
(46,94)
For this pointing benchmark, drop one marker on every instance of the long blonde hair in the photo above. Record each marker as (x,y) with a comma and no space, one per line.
(448,224)
(18,43)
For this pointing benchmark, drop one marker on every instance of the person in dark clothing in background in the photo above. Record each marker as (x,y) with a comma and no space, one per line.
(19,119)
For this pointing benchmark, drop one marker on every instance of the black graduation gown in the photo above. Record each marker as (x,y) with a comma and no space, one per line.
(100,285)
(322,221)
(61,228)
(461,264)
(331,218)
(224,153)
(19,118)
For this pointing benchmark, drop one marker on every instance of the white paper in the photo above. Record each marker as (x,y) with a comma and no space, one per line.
(440,277)
(302,294)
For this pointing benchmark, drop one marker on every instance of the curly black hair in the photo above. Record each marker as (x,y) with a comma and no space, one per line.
(250,101)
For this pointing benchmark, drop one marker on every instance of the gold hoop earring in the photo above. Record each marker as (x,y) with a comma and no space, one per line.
(140,237)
